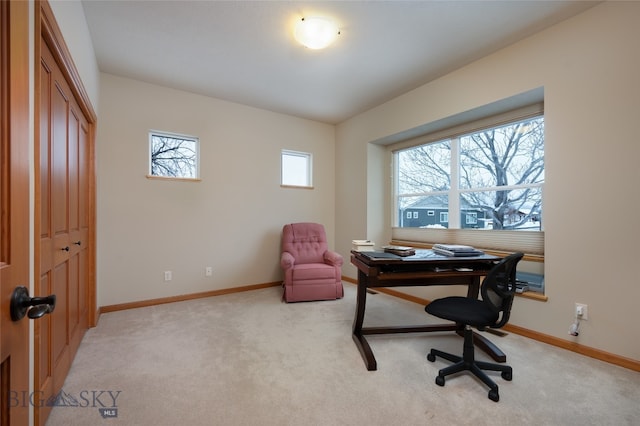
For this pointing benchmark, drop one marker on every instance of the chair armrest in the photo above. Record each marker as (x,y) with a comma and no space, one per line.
(287,260)
(333,258)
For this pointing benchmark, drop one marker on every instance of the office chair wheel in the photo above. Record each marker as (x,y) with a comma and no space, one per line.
(431,357)
(493,395)
(440,380)
(507,375)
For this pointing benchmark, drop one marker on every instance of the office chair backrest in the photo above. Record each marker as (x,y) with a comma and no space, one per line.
(499,287)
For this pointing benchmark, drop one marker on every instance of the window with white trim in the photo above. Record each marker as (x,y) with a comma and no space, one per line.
(495,175)
(490,178)
(471,218)
(296,169)
(173,156)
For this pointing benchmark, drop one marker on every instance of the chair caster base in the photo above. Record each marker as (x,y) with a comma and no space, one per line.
(493,395)
(475,367)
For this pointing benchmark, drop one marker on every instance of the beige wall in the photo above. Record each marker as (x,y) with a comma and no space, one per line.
(589,67)
(73,25)
(231,220)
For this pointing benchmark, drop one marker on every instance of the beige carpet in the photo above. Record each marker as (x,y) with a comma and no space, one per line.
(249,359)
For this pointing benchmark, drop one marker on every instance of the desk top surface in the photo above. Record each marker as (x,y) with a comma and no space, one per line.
(421,256)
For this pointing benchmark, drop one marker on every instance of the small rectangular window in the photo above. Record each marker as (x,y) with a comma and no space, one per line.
(296,169)
(471,218)
(173,156)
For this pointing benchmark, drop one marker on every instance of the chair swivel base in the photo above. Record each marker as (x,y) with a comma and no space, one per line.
(466,362)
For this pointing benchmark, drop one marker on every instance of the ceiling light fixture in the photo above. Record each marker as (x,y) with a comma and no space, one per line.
(316,32)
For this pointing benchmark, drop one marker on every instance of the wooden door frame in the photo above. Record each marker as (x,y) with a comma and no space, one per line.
(47,28)
(15,271)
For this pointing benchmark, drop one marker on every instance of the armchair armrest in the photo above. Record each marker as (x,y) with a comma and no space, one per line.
(333,258)
(286,260)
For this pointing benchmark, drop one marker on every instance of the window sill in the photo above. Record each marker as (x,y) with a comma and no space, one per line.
(296,186)
(533,296)
(173,178)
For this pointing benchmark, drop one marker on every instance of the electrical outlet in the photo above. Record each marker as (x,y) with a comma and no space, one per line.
(168,276)
(208,271)
(582,311)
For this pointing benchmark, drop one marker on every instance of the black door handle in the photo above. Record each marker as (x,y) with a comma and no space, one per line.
(33,307)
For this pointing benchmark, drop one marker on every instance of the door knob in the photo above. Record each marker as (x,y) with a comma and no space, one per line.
(33,307)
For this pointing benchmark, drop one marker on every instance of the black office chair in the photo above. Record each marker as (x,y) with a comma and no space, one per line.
(497,290)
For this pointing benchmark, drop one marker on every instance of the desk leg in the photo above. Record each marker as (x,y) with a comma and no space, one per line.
(473,291)
(358,338)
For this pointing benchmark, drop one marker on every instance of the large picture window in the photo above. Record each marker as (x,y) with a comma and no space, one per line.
(488,179)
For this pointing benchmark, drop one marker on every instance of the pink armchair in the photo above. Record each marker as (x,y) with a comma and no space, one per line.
(311,270)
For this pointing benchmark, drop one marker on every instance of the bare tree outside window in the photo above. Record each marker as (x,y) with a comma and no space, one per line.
(497,177)
(173,155)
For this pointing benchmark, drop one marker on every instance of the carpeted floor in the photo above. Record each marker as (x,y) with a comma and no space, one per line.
(250,359)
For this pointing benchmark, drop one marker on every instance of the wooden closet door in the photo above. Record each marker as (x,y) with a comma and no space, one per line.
(63,228)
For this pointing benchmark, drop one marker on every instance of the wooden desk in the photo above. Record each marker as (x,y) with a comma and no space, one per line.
(379,269)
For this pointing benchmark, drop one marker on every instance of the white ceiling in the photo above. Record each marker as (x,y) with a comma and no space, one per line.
(244,51)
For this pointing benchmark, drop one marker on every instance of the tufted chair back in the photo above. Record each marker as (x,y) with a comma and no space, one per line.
(307,242)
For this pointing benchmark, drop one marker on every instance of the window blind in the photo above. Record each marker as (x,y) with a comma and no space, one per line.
(502,240)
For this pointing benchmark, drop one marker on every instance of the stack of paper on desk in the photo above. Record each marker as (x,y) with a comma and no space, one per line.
(362,245)
(456,250)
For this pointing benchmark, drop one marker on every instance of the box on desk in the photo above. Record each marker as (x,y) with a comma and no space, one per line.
(362,245)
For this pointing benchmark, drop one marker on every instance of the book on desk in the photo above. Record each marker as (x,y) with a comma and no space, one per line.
(456,250)
(399,250)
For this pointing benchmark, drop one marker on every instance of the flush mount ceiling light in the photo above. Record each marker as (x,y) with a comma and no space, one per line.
(316,32)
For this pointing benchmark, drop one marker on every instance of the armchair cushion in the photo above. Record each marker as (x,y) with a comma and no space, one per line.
(313,271)
(305,241)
